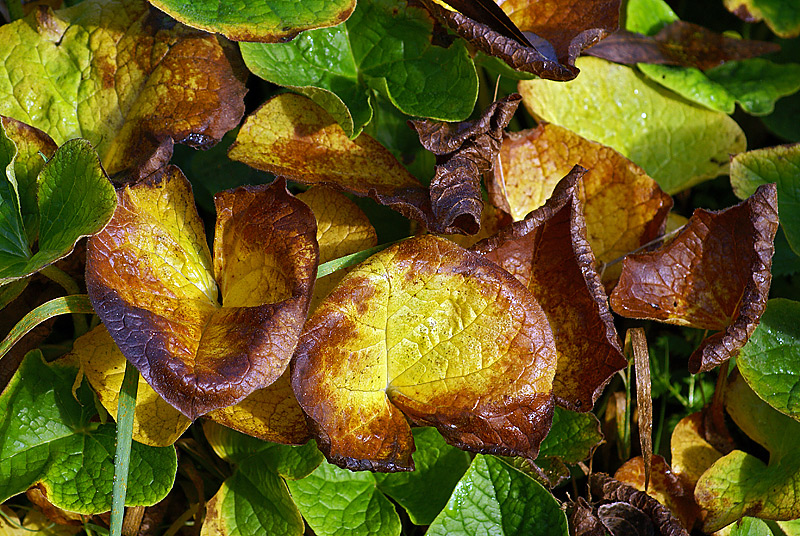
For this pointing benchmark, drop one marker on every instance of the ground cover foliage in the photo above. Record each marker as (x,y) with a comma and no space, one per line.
(400,267)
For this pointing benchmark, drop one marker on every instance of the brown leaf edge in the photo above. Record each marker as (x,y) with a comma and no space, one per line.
(520,57)
(464,152)
(605,359)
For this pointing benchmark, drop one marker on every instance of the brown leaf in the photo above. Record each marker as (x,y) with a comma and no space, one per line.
(537,59)
(610,490)
(549,253)
(429,332)
(464,152)
(149,276)
(624,208)
(680,43)
(714,275)
(636,343)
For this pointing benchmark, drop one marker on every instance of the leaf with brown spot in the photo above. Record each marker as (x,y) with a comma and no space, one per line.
(549,253)
(714,275)
(464,152)
(555,32)
(149,276)
(429,332)
(666,487)
(121,75)
(679,43)
(624,208)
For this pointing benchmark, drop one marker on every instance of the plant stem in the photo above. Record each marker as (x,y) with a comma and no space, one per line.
(67,283)
(122,457)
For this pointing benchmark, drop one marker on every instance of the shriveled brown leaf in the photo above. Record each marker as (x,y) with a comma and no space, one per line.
(549,253)
(666,486)
(714,275)
(679,43)
(464,152)
(583,520)
(636,343)
(624,208)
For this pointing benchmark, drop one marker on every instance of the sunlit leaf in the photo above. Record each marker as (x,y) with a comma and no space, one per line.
(692,454)
(677,143)
(623,207)
(679,43)
(740,484)
(49,438)
(34,522)
(119,74)
(336,501)
(782,16)
(548,252)
(781,165)
(254,500)
(770,361)
(494,498)
(714,275)
(429,330)
(465,152)
(269,22)
(339,68)
(150,279)
(156,423)
(424,491)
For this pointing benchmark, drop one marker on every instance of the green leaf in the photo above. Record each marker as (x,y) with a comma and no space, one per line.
(692,84)
(425,491)
(254,500)
(750,526)
(740,484)
(677,143)
(336,501)
(494,498)
(755,83)
(781,165)
(770,361)
(48,438)
(648,16)
(783,121)
(572,436)
(782,16)
(341,68)
(75,199)
(270,21)
(13,241)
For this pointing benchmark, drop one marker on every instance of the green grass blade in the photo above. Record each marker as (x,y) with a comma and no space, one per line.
(122,457)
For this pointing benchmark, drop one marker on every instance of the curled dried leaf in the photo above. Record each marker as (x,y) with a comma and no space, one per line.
(548,252)
(714,275)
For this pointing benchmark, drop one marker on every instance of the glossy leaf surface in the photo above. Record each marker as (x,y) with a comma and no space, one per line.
(49,439)
(121,76)
(429,330)
(269,22)
(692,282)
(494,498)
(150,278)
(693,142)
(339,68)
(549,253)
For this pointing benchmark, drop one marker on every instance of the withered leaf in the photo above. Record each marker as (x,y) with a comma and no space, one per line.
(714,275)
(549,253)
(429,332)
(149,276)
(679,43)
(464,152)
(624,208)
(635,339)
(623,519)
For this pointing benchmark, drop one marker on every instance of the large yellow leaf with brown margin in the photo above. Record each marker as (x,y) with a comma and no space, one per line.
(155,422)
(429,332)
(714,275)
(273,413)
(150,279)
(623,207)
(121,75)
(548,252)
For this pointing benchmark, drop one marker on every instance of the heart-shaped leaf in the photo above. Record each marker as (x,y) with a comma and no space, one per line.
(692,281)
(123,76)
(150,279)
(49,438)
(46,208)
(429,330)
(339,68)
(273,21)
(548,252)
